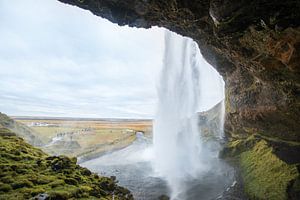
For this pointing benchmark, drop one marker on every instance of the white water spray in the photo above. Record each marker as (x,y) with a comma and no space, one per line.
(177,143)
(222,119)
(179,156)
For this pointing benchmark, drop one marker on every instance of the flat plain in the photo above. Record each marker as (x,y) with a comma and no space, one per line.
(85,138)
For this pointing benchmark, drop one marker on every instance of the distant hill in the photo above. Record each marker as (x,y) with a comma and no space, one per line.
(21,130)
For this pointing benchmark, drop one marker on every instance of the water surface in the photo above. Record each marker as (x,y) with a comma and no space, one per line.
(133,168)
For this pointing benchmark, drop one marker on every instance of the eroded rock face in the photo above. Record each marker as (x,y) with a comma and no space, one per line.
(254,44)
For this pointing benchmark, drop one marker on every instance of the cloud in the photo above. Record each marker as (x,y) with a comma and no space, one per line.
(59,60)
(62,61)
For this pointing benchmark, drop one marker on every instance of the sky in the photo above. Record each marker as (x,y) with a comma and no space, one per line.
(61,61)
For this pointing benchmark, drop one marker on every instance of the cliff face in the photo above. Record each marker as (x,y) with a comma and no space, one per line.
(254,44)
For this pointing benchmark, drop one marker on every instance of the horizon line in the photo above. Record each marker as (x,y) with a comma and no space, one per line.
(76,118)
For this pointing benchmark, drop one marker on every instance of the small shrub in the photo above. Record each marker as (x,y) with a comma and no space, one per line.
(59,194)
(56,183)
(71,181)
(21,184)
(5,188)
(85,172)
(7,179)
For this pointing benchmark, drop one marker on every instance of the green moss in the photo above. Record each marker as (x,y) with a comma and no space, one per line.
(29,192)
(60,194)
(27,171)
(236,147)
(21,184)
(265,175)
(71,181)
(5,187)
(56,183)
(5,132)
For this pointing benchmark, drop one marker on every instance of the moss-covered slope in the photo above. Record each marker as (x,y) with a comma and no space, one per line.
(29,173)
(21,130)
(265,174)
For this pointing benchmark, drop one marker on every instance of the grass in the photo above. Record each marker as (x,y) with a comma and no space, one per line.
(27,172)
(20,129)
(47,133)
(265,175)
(90,135)
(142,125)
(97,150)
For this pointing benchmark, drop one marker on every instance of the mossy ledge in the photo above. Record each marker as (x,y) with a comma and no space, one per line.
(264,174)
(29,173)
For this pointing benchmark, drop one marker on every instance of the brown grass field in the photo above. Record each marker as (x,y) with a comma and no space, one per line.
(86,138)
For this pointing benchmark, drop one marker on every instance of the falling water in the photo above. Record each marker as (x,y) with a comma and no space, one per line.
(181,163)
(222,111)
(222,119)
(177,143)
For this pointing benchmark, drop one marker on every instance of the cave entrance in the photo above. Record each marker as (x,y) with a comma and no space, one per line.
(84,83)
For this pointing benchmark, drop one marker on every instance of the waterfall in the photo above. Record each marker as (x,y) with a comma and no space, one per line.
(182,162)
(222,119)
(186,80)
(177,143)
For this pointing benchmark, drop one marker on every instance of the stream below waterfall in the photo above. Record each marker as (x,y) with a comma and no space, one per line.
(133,169)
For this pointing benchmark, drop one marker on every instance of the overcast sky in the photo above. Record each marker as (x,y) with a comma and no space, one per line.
(59,60)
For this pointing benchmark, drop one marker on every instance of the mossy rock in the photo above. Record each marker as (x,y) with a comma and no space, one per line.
(29,173)
(236,147)
(265,174)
